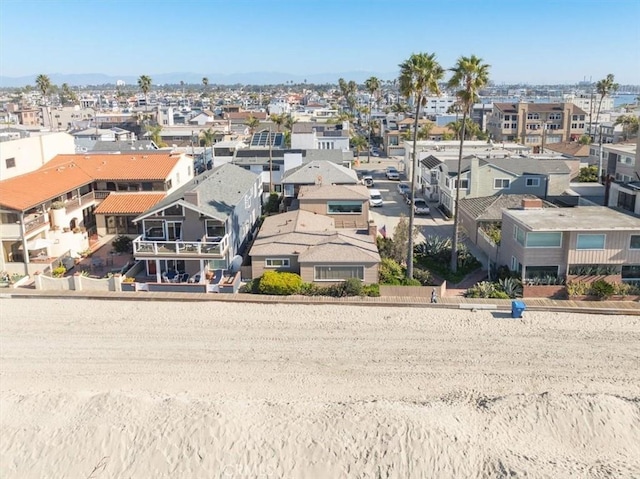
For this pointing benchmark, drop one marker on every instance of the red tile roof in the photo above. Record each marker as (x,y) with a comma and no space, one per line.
(67,172)
(128,203)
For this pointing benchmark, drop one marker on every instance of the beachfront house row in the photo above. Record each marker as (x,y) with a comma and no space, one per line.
(539,242)
(51,213)
(197,230)
(327,240)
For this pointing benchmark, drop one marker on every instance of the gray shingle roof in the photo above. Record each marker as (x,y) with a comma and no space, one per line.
(329,172)
(125,146)
(333,192)
(219,190)
(516,165)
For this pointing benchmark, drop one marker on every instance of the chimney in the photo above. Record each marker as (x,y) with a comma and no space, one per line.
(531,203)
(373,231)
(191,197)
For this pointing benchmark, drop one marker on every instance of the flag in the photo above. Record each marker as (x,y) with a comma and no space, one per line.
(383,231)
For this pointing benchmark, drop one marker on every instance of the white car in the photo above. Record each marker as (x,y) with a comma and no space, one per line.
(420,206)
(375,198)
(392,173)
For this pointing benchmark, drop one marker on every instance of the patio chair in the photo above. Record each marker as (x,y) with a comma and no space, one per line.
(185,278)
(165,278)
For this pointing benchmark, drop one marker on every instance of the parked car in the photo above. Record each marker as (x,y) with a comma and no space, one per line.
(403,188)
(367,181)
(375,198)
(392,173)
(420,206)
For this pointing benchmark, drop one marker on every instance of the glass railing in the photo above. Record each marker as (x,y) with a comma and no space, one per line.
(143,246)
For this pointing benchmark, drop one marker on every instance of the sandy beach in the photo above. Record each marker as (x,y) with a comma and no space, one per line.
(129,389)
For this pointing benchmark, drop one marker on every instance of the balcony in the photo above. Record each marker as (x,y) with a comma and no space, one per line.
(145,247)
(35,223)
(75,203)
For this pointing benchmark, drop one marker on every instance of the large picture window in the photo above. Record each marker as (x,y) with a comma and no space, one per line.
(544,240)
(344,207)
(215,228)
(634,242)
(590,242)
(501,183)
(518,234)
(338,273)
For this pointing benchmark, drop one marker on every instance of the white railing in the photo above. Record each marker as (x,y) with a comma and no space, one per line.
(146,247)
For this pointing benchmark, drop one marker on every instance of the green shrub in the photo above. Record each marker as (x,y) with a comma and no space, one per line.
(352,287)
(423,276)
(511,286)
(390,272)
(577,288)
(601,289)
(372,290)
(281,283)
(58,272)
(411,282)
(499,295)
(121,244)
(273,203)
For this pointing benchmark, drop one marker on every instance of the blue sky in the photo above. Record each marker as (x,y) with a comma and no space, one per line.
(539,41)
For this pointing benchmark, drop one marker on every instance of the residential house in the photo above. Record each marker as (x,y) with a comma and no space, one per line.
(307,241)
(537,124)
(202,226)
(616,160)
(126,146)
(538,242)
(624,190)
(316,173)
(487,177)
(481,221)
(29,116)
(55,218)
(321,137)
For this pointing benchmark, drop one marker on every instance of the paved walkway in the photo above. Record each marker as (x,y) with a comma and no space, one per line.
(457,302)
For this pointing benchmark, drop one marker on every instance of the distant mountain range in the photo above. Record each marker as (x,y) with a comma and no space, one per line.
(253,78)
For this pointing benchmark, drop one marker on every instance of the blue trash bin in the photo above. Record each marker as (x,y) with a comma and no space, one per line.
(517,308)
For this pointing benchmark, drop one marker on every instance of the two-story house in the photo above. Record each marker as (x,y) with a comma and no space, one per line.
(202,226)
(538,242)
(321,137)
(537,124)
(60,203)
(624,190)
(487,177)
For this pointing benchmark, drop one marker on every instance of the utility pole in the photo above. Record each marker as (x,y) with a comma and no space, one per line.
(270,162)
(600,175)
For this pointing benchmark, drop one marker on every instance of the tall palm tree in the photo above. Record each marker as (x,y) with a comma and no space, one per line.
(144,82)
(43,83)
(469,75)
(604,87)
(629,125)
(278,120)
(372,85)
(359,143)
(419,76)
(205,82)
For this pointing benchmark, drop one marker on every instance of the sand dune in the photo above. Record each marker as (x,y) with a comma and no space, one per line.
(125,389)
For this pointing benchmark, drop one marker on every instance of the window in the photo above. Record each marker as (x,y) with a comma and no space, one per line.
(544,240)
(555,116)
(153,229)
(9,218)
(462,184)
(174,210)
(630,271)
(590,241)
(344,207)
(276,263)
(501,183)
(533,116)
(518,234)
(634,242)
(535,182)
(214,229)
(338,273)
(247,202)
(10,162)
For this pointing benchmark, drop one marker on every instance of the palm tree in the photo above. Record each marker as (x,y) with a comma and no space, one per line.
(470,75)
(419,75)
(278,120)
(373,87)
(155,134)
(144,82)
(604,87)
(67,95)
(205,82)
(289,121)
(359,143)
(207,138)
(629,125)
(44,85)
(252,122)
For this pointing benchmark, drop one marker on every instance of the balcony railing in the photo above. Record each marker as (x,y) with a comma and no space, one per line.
(75,203)
(32,224)
(146,247)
